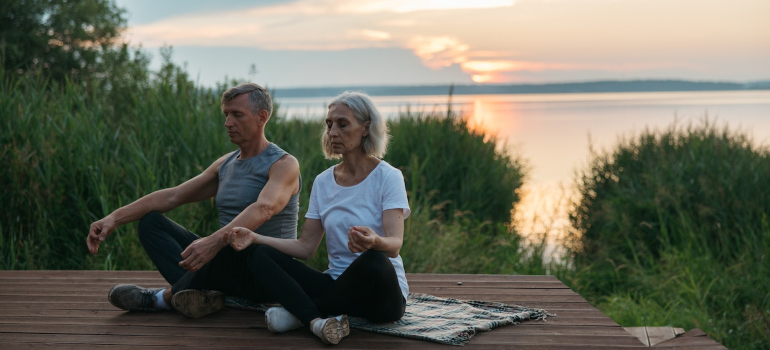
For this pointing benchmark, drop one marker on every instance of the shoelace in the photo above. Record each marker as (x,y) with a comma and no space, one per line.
(148,300)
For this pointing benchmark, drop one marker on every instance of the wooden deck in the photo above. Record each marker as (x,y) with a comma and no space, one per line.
(69,310)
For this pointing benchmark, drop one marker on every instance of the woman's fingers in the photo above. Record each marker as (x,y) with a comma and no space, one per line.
(357,242)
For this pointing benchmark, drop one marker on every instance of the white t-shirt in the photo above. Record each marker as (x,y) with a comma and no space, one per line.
(340,207)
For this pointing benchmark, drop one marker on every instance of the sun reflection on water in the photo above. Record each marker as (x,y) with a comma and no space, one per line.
(552,133)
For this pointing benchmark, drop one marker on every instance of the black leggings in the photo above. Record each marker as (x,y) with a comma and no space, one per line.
(368,288)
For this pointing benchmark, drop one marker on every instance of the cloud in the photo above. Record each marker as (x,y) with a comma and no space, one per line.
(490,40)
(406,6)
(438,52)
(304,24)
(374,35)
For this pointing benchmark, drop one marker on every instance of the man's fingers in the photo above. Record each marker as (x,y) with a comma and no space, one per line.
(186,253)
(187,264)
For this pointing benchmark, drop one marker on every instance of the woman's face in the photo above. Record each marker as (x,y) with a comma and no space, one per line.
(344,131)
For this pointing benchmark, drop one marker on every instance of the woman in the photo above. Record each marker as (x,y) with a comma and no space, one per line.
(361,205)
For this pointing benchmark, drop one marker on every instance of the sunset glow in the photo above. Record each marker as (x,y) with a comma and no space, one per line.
(484,41)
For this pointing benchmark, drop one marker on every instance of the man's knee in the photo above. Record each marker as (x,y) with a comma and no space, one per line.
(149,224)
(256,254)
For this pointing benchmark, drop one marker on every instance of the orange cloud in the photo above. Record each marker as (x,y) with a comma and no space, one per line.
(483,78)
(438,52)
(404,6)
(375,35)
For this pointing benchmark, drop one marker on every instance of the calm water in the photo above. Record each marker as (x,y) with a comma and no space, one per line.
(552,132)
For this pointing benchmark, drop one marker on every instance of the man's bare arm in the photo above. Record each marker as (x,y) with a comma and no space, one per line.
(282,183)
(196,189)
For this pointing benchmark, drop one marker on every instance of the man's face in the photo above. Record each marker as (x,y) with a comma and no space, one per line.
(242,125)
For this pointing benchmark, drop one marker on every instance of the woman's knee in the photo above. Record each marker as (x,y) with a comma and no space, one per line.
(374,256)
(388,312)
(375,262)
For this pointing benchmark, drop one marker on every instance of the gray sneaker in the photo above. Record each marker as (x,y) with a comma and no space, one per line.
(198,303)
(130,297)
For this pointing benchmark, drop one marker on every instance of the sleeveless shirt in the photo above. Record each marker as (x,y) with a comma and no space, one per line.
(240,183)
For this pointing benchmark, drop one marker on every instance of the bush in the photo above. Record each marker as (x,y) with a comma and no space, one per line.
(698,188)
(462,170)
(671,228)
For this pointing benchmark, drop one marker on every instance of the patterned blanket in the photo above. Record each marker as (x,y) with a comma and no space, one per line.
(441,320)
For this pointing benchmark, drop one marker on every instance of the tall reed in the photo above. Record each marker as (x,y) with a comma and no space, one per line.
(69,158)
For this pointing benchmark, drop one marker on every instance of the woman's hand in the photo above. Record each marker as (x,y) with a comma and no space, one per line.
(361,239)
(239,238)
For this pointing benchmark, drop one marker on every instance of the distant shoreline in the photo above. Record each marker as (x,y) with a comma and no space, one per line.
(487,89)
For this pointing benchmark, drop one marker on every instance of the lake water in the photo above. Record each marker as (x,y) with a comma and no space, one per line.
(552,132)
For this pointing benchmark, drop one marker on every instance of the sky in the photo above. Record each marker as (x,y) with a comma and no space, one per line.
(313,43)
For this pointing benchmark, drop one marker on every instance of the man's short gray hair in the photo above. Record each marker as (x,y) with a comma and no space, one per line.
(376,143)
(259,98)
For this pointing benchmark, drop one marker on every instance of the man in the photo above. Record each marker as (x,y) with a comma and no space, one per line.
(256,186)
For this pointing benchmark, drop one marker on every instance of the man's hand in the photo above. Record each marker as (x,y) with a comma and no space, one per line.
(99,232)
(239,238)
(199,253)
(361,239)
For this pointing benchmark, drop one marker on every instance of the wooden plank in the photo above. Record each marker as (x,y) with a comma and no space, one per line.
(69,309)
(40,320)
(79,290)
(640,333)
(469,277)
(101,283)
(524,300)
(692,338)
(101,309)
(659,334)
(306,338)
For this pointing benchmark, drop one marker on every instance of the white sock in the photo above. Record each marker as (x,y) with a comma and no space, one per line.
(318,327)
(160,303)
(281,320)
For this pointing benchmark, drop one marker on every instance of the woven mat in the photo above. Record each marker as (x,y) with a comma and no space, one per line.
(436,319)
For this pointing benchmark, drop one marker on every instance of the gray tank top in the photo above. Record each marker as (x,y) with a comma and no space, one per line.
(241,182)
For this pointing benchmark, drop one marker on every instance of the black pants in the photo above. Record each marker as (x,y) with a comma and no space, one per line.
(164,241)
(368,288)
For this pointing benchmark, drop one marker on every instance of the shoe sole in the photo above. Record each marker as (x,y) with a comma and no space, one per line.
(335,330)
(198,303)
(344,326)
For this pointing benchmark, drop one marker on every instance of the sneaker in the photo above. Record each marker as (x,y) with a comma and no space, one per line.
(198,303)
(130,297)
(344,325)
(280,320)
(332,330)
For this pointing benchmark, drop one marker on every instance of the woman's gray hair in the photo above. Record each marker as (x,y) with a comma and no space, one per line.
(259,98)
(376,143)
